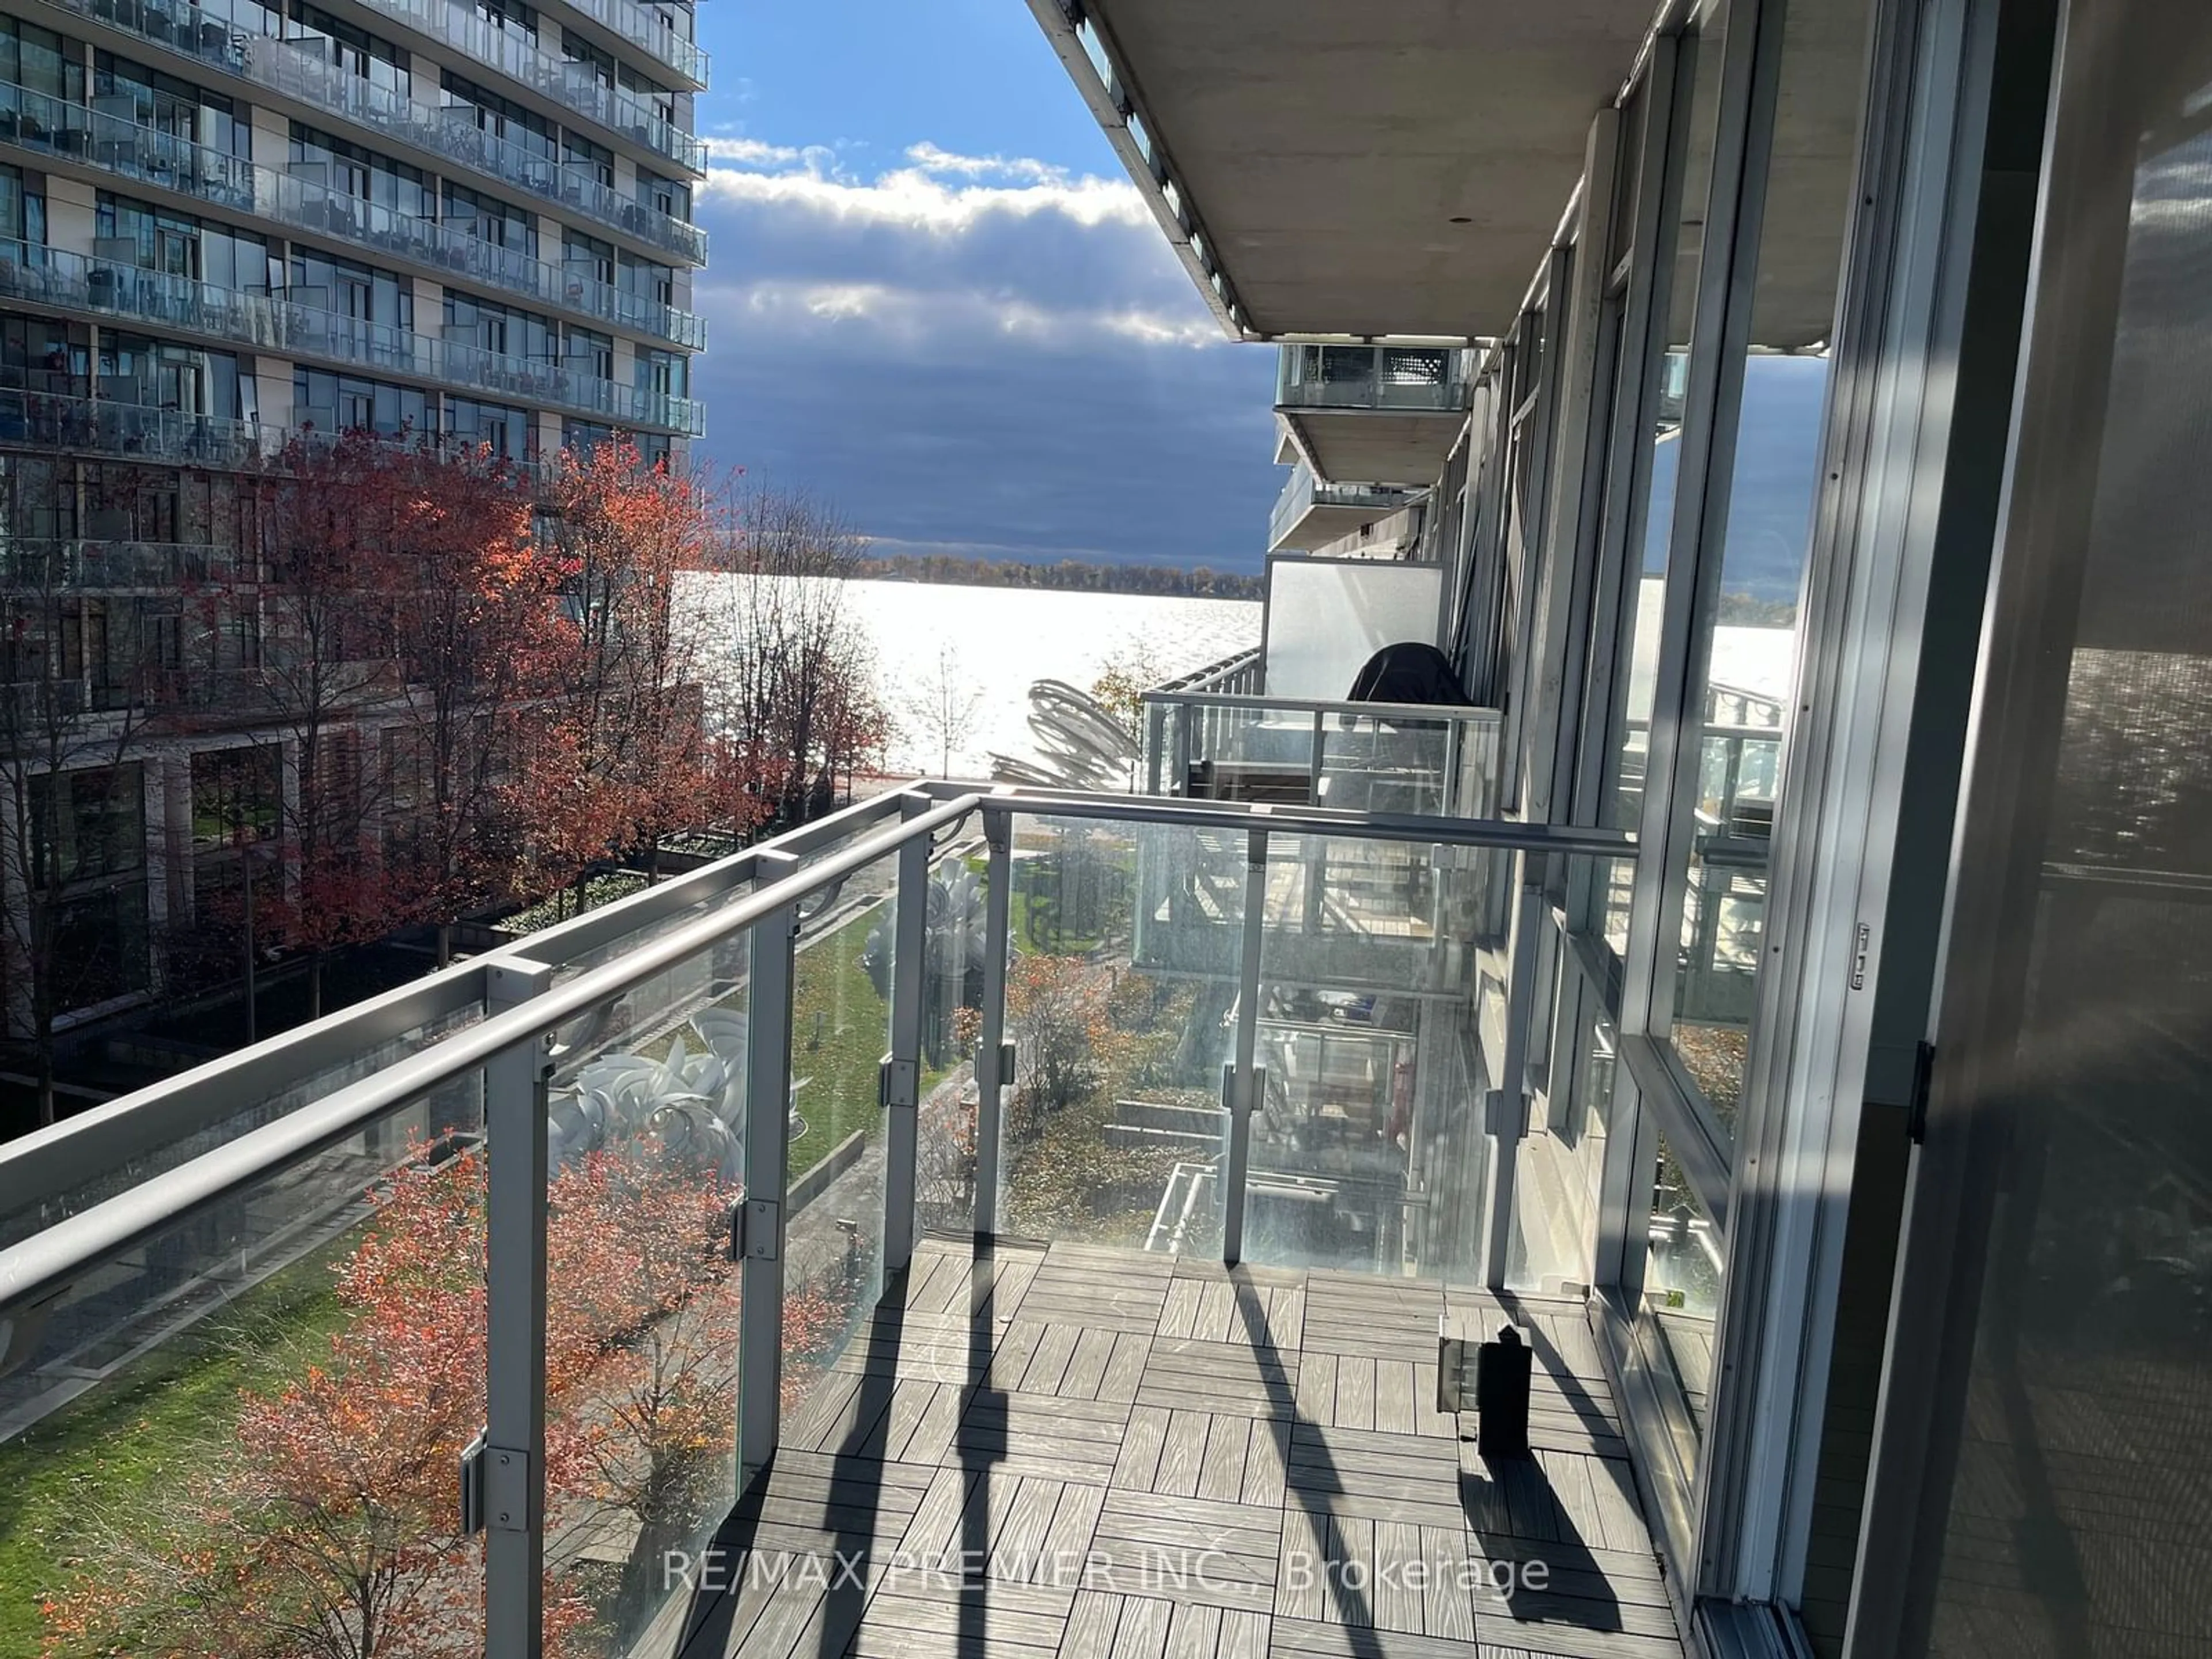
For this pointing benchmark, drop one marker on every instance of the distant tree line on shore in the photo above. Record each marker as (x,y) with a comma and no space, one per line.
(1199,581)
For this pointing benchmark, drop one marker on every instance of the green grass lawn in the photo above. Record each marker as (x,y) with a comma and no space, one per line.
(840,1029)
(130,1435)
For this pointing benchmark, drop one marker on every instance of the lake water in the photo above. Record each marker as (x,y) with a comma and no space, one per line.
(1002,638)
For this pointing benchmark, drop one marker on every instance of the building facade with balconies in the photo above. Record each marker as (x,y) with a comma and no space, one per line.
(225,227)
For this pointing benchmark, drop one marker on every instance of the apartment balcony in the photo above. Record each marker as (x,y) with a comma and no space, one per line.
(115,565)
(1001,1331)
(262,322)
(449,133)
(1309,514)
(122,149)
(616,112)
(1383,413)
(106,426)
(209,38)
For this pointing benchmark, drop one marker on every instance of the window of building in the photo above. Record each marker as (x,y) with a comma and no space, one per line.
(131,91)
(647,280)
(324,158)
(40,60)
(666,196)
(352,403)
(589,352)
(495,117)
(355,50)
(352,291)
(490,220)
(587,258)
(586,161)
(505,432)
(136,368)
(1753,548)
(506,330)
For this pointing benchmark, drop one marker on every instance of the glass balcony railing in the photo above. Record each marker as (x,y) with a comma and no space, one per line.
(92,565)
(1412,378)
(569,84)
(1361,756)
(588,1227)
(147,155)
(451,132)
(273,323)
(104,426)
(1302,493)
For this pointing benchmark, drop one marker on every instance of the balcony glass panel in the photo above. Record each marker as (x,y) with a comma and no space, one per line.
(956,948)
(833,1246)
(1113,1123)
(1409,378)
(1368,1150)
(265,1404)
(646,1126)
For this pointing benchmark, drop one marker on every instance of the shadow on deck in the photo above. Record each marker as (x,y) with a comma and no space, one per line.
(1034,1451)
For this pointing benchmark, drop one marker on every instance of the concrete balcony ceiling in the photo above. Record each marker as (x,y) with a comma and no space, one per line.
(1378,445)
(1376,169)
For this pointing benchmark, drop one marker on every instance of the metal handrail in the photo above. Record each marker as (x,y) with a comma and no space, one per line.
(41,1267)
(1390,711)
(40,1166)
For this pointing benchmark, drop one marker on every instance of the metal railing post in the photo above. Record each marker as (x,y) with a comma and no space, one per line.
(760,1232)
(1320,750)
(1236,1152)
(1182,779)
(1156,727)
(512,1469)
(1509,1104)
(994,1063)
(901,1073)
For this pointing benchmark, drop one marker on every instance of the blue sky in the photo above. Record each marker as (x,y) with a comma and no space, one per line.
(936,301)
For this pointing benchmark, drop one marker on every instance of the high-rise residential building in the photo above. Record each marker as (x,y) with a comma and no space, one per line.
(222,227)
(1707,872)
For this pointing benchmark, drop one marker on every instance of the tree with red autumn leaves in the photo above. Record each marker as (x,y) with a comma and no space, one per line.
(330,1528)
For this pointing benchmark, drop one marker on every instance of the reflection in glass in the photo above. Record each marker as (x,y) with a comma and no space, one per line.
(1562,1170)
(840,1031)
(1674,296)
(2074,1504)
(1682,1291)
(1758,526)
(1368,1152)
(1120,977)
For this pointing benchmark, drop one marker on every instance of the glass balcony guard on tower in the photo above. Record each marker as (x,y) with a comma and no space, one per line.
(129,149)
(274,322)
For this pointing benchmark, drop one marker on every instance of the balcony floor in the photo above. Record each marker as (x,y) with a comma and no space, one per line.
(1135,1457)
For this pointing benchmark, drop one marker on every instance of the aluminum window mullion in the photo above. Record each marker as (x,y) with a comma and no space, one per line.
(1725,275)
(1626,463)
(1578,311)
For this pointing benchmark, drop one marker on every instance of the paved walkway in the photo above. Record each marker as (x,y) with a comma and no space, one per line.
(1071,1451)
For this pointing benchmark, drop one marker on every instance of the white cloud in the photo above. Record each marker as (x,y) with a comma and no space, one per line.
(750,152)
(911,198)
(929,158)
